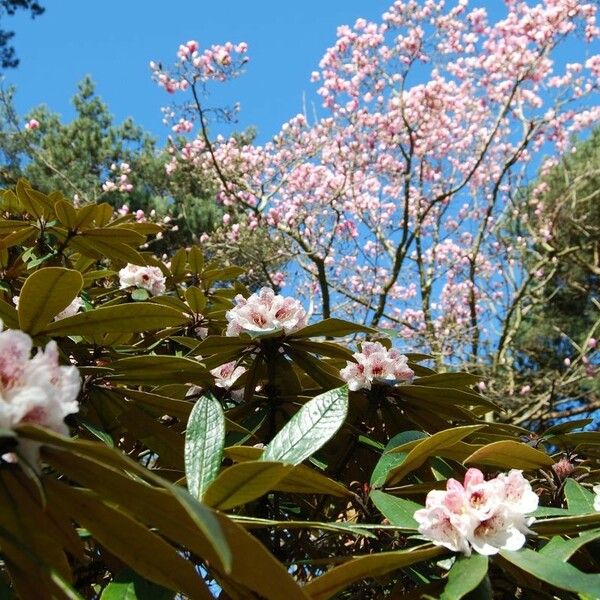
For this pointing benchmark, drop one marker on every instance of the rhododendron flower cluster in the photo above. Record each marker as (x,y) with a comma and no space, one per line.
(122,183)
(227,374)
(147,278)
(265,311)
(485,516)
(32,124)
(35,390)
(375,362)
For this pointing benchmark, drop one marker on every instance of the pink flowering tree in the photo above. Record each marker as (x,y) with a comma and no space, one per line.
(398,205)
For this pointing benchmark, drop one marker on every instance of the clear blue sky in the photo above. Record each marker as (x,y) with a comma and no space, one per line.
(113,40)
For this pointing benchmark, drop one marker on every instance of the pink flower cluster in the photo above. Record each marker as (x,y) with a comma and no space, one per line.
(32,124)
(217,63)
(265,311)
(431,118)
(227,374)
(376,363)
(34,390)
(485,516)
(122,183)
(147,278)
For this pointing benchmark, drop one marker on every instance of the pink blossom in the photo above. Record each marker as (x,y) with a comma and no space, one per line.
(147,278)
(34,390)
(485,516)
(226,375)
(32,124)
(592,343)
(265,311)
(376,363)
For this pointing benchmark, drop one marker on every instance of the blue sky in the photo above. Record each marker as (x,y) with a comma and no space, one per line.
(114,40)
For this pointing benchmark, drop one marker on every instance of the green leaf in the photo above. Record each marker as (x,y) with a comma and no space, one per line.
(332,328)
(160,369)
(510,454)
(567,525)
(464,576)
(144,551)
(123,318)
(566,427)
(554,572)
(140,294)
(397,511)
(561,549)
(301,479)
(243,483)
(204,442)
(388,460)
(579,500)
(310,428)
(428,447)
(130,586)
(45,293)
(363,567)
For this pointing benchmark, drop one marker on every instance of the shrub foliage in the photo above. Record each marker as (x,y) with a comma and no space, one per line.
(184,477)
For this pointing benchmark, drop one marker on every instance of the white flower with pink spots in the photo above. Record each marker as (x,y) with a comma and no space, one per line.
(35,390)
(485,516)
(263,312)
(147,278)
(227,374)
(375,362)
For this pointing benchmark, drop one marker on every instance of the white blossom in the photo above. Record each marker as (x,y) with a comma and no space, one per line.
(147,278)
(597,498)
(227,374)
(265,311)
(34,390)
(373,363)
(485,516)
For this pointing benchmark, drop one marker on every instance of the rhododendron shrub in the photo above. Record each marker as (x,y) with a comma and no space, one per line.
(402,204)
(202,440)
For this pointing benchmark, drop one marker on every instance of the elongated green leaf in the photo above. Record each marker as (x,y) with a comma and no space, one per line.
(9,315)
(464,576)
(428,447)
(561,549)
(124,318)
(204,443)
(243,483)
(169,507)
(566,427)
(363,567)
(162,369)
(510,454)
(310,428)
(331,327)
(390,460)
(397,511)
(301,479)
(567,525)
(579,500)
(130,586)
(554,572)
(44,294)
(143,550)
